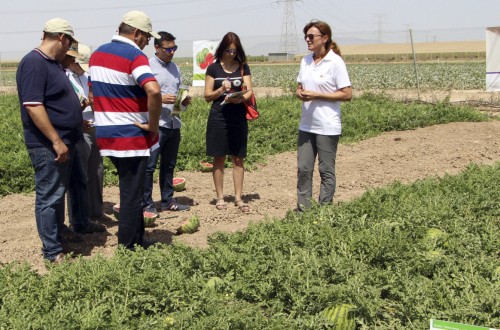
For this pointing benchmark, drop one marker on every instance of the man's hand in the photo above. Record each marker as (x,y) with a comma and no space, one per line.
(61,150)
(84,104)
(87,124)
(146,127)
(168,98)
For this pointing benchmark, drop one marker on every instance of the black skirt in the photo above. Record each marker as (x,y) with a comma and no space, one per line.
(227,131)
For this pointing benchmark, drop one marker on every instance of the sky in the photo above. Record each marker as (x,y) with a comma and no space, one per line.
(259,23)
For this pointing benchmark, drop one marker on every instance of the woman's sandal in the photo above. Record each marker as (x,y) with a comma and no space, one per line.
(220,204)
(242,206)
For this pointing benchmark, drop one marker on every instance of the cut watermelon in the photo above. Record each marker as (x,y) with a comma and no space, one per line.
(116,211)
(179,184)
(206,167)
(189,226)
(149,218)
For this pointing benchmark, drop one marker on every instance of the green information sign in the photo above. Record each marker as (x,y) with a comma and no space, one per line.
(445,325)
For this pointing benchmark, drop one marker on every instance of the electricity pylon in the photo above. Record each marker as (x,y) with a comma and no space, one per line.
(288,40)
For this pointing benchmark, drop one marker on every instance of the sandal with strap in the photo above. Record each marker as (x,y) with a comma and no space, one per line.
(220,204)
(242,206)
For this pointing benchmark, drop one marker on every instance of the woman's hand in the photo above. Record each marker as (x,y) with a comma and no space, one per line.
(234,100)
(306,95)
(226,85)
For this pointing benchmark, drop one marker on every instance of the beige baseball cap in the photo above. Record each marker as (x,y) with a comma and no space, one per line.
(140,21)
(85,53)
(59,25)
(73,50)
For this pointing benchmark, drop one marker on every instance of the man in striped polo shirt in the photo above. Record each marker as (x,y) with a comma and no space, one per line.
(127,105)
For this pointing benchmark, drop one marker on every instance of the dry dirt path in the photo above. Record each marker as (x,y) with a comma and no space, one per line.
(270,190)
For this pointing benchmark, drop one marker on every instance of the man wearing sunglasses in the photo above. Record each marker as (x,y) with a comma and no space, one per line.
(52,121)
(169,77)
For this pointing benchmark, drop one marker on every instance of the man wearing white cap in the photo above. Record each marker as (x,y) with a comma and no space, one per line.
(52,123)
(127,105)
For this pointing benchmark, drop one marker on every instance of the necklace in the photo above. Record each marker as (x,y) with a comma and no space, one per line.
(230,67)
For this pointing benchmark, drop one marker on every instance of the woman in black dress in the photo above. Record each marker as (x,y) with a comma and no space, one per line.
(227,128)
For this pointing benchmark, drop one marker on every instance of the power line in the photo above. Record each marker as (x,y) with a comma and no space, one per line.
(189,17)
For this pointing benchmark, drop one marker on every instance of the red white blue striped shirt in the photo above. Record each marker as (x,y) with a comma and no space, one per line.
(118,72)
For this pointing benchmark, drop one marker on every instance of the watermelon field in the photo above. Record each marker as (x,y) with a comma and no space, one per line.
(414,232)
(442,76)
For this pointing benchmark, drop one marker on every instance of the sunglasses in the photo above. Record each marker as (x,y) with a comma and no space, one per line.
(231,51)
(169,50)
(311,36)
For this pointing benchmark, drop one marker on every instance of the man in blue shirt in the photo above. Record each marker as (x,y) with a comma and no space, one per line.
(168,75)
(52,124)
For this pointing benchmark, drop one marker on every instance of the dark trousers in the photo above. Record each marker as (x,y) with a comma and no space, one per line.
(167,152)
(78,202)
(131,174)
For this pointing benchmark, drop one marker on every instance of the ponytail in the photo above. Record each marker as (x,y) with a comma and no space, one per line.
(335,48)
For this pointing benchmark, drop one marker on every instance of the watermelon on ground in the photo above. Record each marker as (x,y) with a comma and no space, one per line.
(206,167)
(149,218)
(341,316)
(189,226)
(179,184)
(116,211)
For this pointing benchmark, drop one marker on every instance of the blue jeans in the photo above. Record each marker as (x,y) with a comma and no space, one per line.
(167,152)
(51,180)
(131,173)
(325,147)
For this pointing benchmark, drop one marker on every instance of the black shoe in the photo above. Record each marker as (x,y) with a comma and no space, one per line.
(59,259)
(103,218)
(67,235)
(175,206)
(92,227)
(147,244)
(151,210)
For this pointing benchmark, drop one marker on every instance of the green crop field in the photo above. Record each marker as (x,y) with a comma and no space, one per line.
(398,256)
(364,117)
(446,75)
(462,76)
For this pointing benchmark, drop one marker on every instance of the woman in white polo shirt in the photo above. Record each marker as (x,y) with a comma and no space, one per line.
(323,82)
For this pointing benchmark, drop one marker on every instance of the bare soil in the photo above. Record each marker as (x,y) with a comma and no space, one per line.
(270,190)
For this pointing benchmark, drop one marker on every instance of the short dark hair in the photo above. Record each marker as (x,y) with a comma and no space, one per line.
(51,35)
(164,36)
(125,29)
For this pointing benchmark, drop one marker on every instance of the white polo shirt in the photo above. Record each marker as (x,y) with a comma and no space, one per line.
(329,75)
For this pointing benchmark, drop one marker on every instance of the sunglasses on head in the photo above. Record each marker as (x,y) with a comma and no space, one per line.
(169,49)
